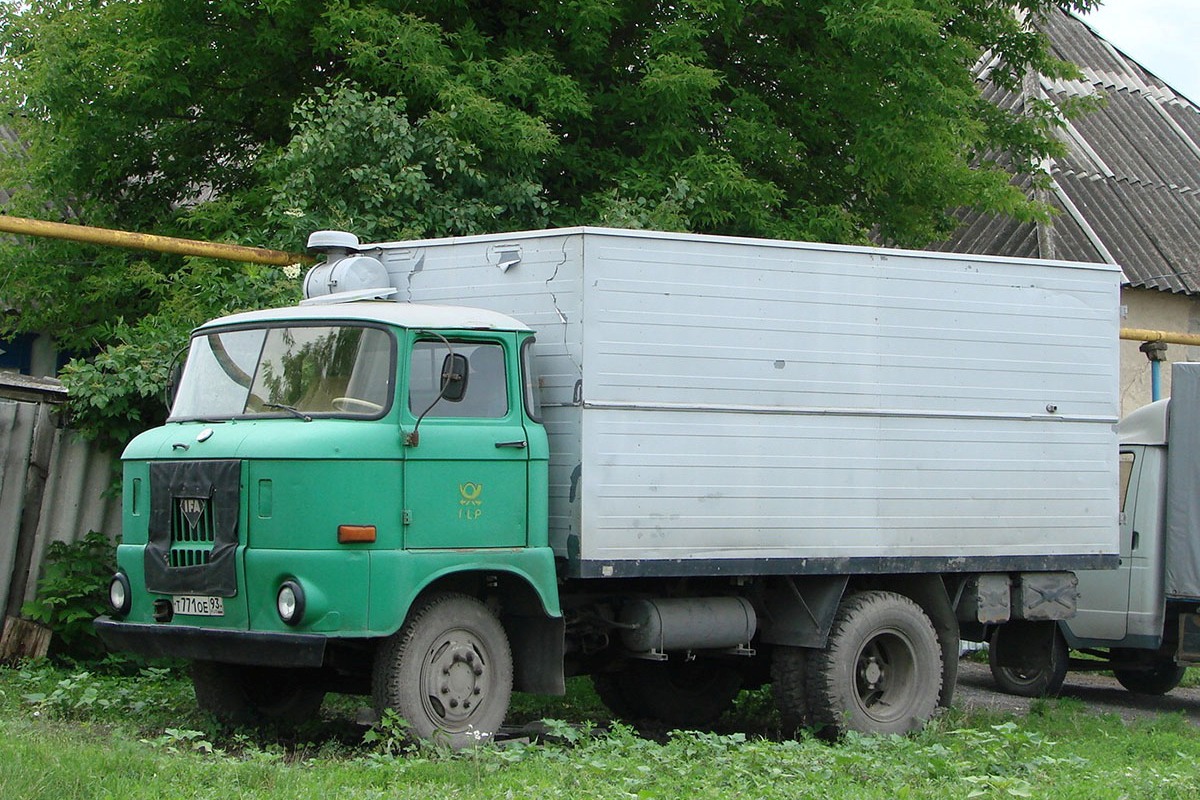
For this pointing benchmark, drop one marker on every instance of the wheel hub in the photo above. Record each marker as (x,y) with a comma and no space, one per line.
(885,675)
(455,682)
(872,673)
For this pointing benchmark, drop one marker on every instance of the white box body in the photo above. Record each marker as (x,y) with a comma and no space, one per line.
(733,406)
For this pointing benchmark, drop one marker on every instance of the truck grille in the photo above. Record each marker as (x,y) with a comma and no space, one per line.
(193,532)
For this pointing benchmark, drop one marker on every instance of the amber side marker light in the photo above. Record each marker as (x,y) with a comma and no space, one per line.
(348,534)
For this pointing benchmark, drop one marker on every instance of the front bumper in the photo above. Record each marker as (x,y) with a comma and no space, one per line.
(213,644)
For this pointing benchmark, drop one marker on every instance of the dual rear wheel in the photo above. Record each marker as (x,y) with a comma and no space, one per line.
(880,671)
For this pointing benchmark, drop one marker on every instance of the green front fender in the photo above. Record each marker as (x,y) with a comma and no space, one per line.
(399,577)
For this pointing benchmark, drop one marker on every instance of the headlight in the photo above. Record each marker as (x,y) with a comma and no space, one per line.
(290,602)
(119,595)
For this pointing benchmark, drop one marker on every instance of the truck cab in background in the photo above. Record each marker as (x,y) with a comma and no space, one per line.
(1141,620)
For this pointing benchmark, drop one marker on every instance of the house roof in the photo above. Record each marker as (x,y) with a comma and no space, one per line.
(1128,190)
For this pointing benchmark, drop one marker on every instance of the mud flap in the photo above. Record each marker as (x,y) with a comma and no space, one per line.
(1023,645)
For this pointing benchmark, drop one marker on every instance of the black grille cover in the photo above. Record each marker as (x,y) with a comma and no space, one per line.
(194,511)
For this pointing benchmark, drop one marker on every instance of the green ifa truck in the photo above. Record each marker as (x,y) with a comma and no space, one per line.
(684,465)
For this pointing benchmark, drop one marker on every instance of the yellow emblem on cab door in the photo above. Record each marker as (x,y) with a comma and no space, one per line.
(470,501)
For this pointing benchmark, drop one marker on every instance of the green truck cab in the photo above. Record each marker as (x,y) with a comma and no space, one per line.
(325,471)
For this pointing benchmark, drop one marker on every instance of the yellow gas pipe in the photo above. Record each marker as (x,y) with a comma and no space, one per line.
(1141,335)
(149,241)
(261,255)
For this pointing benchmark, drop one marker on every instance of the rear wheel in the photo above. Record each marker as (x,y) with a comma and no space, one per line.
(243,695)
(1043,681)
(789,686)
(881,668)
(447,672)
(1161,677)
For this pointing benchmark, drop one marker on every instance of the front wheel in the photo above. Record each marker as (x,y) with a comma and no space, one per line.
(1042,681)
(880,670)
(448,672)
(242,695)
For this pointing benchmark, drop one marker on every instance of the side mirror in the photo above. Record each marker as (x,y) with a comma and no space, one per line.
(454,377)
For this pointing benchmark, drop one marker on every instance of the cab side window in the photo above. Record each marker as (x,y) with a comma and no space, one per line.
(1127,460)
(486,394)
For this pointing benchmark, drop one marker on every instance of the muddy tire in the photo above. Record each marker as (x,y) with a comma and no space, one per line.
(448,672)
(789,687)
(880,671)
(243,695)
(1046,681)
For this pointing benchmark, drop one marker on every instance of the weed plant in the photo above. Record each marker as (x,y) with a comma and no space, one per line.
(102,733)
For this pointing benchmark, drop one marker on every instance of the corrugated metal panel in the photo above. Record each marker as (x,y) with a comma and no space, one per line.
(17,422)
(53,487)
(82,494)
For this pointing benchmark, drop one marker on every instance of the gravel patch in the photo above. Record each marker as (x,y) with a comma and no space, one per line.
(1100,692)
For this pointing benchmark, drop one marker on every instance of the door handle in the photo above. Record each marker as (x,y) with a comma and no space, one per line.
(520,444)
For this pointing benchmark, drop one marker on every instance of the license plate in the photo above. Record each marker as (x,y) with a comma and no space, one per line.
(192,605)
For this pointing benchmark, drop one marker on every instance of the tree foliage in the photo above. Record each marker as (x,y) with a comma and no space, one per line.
(260,120)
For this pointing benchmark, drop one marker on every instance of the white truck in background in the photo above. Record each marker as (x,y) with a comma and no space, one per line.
(1142,620)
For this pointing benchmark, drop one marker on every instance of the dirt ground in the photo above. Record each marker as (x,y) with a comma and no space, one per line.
(1100,692)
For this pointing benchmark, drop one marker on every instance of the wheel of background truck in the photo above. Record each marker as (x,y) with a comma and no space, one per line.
(243,695)
(448,672)
(676,692)
(611,692)
(789,672)
(880,670)
(1162,676)
(1044,682)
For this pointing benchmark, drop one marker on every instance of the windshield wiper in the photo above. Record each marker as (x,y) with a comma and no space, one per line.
(295,412)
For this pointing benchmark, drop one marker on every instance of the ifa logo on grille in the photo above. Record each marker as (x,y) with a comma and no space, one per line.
(192,509)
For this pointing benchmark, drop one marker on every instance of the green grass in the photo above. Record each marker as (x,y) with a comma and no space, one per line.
(76,734)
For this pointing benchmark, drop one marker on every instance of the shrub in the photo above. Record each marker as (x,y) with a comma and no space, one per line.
(72,592)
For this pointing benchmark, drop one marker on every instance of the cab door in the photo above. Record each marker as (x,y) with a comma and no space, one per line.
(465,479)
(1103,612)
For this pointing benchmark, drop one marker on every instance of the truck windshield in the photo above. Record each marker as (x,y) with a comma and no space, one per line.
(300,371)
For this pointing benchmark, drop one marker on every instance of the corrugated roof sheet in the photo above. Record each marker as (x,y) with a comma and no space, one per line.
(1128,189)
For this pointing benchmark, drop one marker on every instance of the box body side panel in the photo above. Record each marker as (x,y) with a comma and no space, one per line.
(717,401)
(709,485)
